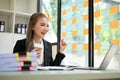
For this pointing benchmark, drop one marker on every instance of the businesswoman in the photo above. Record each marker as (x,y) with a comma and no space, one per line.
(37,29)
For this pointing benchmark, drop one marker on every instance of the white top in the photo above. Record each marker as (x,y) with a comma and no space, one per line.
(41,58)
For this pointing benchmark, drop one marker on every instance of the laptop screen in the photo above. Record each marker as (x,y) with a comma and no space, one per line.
(110,53)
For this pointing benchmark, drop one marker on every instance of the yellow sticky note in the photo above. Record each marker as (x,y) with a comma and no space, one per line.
(97,14)
(97,46)
(74,46)
(74,8)
(113,9)
(114,24)
(50,19)
(85,17)
(64,12)
(63,34)
(74,33)
(97,28)
(64,22)
(96,1)
(74,20)
(85,31)
(46,13)
(85,46)
(85,4)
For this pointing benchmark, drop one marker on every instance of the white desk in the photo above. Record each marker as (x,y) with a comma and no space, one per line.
(61,75)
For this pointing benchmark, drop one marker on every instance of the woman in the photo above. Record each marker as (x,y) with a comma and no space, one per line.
(37,29)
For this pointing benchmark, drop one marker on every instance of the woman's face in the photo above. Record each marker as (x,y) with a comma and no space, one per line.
(41,28)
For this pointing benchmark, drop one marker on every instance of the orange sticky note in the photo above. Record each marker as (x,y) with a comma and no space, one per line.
(63,34)
(85,4)
(74,33)
(74,46)
(97,14)
(64,22)
(74,8)
(119,43)
(115,42)
(114,24)
(97,46)
(85,31)
(85,17)
(64,12)
(21,63)
(85,46)
(74,20)
(32,64)
(96,1)
(97,28)
(113,9)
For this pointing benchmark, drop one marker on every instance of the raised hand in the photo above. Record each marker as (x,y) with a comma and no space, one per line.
(63,45)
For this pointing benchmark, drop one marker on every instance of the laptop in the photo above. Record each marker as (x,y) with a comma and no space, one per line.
(110,53)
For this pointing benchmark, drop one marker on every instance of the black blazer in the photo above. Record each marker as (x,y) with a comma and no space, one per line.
(48,60)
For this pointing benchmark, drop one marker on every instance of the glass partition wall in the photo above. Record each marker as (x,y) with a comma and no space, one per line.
(75,29)
(49,8)
(106,29)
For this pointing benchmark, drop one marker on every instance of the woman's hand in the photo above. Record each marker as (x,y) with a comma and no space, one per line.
(63,45)
(38,50)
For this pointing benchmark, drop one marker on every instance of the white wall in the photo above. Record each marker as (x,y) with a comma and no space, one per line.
(8,40)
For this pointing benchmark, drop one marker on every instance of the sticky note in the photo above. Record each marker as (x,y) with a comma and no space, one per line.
(50,19)
(114,24)
(85,31)
(32,64)
(19,68)
(74,20)
(97,28)
(64,22)
(64,12)
(46,13)
(22,58)
(85,17)
(96,1)
(119,42)
(21,64)
(17,59)
(97,46)
(116,42)
(74,8)
(85,4)
(16,54)
(74,46)
(85,46)
(27,54)
(74,33)
(63,34)
(113,9)
(28,58)
(97,14)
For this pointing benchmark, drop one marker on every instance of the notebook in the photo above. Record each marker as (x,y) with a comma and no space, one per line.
(110,53)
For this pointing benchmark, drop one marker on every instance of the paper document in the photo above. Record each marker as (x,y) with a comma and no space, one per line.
(53,68)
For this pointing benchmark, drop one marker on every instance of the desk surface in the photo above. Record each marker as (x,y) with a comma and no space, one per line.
(61,75)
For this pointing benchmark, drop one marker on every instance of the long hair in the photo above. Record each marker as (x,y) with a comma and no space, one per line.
(32,22)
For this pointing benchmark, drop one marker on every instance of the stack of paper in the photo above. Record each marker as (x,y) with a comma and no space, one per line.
(25,61)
